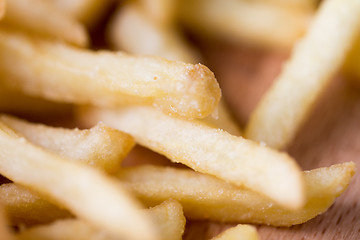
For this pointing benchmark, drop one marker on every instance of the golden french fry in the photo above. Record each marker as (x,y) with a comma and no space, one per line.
(15,102)
(168,216)
(224,120)
(133,31)
(313,63)
(258,23)
(206,197)
(208,150)
(86,192)
(5,232)
(105,78)
(239,232)
(162,12)
(87,11)
(101,146)
(25,206)
(43,18)
(310,5)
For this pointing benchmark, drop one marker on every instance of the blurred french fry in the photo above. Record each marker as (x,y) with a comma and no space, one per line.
(133,31)
(27,207)
(88,12)
(5,232)
(314,61)
(209,150)
(262,24)
(67,74)
(15,102)
(101,146)
(239,232)
(162,12)
(223,120)
(206,197)
(43,18)
(168,215)
(86,192)
(310,5)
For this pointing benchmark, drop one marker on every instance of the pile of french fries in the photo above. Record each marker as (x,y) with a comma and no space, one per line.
(148,88)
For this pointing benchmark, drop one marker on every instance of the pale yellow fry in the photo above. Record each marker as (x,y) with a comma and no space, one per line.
(43,18)
(133,31)
(257,23)
(15,102)
(25,206)
(162,12)
(87,11)
(5,232)
(87,192)
(223,119)
(206,197)
(210,150)
(101,146)
(313,63)
(168,216)
(310,5)
(239,232)
(64,73)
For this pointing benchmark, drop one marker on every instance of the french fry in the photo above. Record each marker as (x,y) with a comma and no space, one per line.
(87,11)
(309,5)
(168,215)
(133,31)
(206,197)
(313,63)
(239,232)
(105,78)
(101,146)
(86,192)
(162,12)
(256,23)
(5,232)
(30,16)
(208,150)
(27,207)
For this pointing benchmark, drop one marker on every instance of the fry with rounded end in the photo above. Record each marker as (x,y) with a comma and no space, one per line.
(208,150)
(101,146)
(27,207)
(168,216)
(239,232)
(313,63)
(206,197)
(87,192)
(43,18)
(66,74)
(257,23)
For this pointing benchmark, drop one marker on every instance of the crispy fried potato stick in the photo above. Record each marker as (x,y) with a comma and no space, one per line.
(239,232)
(43,18)
(168,216)
(162,12)
(206,197)
(15,102)
(25,206)
(209,150)
(63,73)
(263,24)
(101,146)
(87,11)
(5,232)
(313,63)
(85,191)
(133,31)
